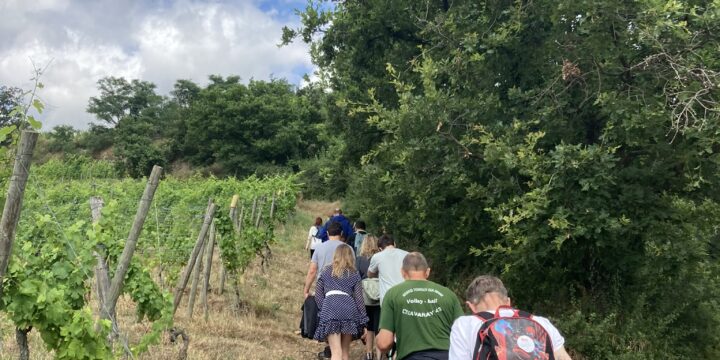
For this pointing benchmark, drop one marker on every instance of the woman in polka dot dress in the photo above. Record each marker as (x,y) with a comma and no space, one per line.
(339,297)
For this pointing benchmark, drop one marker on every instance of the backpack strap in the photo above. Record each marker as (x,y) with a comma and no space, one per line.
(486,318)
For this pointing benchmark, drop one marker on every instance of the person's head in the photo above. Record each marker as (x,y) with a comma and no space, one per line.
(343,261)
(369,246)
(486,292)
(318,221)
(359,225)
(337,211)
(415,267)
(334,229)
(385,241)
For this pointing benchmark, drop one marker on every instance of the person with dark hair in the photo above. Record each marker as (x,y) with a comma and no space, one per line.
(313,240)
(356,239)
(347,229)
(417,314)
(387,264)
(323,255)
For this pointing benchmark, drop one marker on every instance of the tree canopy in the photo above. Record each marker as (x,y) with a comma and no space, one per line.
(262,127)
(569,146)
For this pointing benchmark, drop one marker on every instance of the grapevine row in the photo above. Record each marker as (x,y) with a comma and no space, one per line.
(47,286)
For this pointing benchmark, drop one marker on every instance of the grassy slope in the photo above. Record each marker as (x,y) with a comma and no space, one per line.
(265,330)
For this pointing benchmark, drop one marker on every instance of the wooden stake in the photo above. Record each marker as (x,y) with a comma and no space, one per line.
(131,243)
(259,213)
(241,218)
(185,276)
(102,270)
(254,207)
(196,279)
(235,222)
(13,203)
(208,266)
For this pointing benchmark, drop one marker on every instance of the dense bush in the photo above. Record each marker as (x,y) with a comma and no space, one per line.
(76,167)
(569,146)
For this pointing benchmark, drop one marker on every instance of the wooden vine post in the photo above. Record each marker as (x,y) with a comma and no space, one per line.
(196,277)
(102,270)
(268,251)
(185,276)
(254,207)
(235,276)
(261,251)
(124,261)
(209,250)
(259,212)
(234,220)
(13,203)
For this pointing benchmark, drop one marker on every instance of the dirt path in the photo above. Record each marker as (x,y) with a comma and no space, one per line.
(265,330)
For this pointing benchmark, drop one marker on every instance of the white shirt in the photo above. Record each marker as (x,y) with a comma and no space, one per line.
(387,264)
(314,242)
(464,335)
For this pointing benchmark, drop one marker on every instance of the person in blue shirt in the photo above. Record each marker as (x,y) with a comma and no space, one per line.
(338,217)
(347,227)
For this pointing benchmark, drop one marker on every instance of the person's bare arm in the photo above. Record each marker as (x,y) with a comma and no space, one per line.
(371,274)
(385,340)
(561,354)
(312,273)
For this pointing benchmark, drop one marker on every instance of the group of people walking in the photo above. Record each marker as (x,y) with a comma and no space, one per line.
(368,289)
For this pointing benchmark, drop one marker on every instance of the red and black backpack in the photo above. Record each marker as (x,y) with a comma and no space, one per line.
(511,334)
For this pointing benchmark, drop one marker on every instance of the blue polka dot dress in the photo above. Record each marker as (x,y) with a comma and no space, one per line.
(340,300)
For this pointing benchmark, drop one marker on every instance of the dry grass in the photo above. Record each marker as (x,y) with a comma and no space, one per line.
(266,329)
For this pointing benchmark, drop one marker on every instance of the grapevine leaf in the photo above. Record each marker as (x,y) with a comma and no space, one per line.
(38,105)
(34,123)
(5,131)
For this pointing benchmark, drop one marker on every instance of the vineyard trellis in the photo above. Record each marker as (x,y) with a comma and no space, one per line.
(60,247)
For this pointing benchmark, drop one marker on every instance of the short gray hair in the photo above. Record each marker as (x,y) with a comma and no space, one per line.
(415,261)
(483,285)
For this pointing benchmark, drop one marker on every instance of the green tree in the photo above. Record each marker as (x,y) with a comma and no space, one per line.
(120,98)
(359,39)
(262,127)
(10,98)
(570,146)
(61,139)
(134,110)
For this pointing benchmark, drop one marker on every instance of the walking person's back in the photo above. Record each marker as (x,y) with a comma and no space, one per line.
(418,314)
(323,257)
(372,306)
(339,297)
(387,264)
(313,241)
(487,297)
(356,240)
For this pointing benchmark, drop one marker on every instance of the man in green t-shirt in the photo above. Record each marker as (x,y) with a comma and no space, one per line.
(418,314)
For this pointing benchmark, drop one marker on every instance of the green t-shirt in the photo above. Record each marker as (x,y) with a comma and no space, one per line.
(420,313)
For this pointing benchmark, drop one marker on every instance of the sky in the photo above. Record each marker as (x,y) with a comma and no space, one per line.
(159,41)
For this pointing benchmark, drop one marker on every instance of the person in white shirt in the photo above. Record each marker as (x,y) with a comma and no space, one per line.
(313,241)
(387,265)
(485,294)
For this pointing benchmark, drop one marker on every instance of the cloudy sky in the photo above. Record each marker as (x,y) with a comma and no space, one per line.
(154,40)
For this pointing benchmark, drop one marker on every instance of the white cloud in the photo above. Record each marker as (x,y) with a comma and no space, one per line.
(182,40)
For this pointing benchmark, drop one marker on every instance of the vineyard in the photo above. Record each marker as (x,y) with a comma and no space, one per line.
(82,244)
